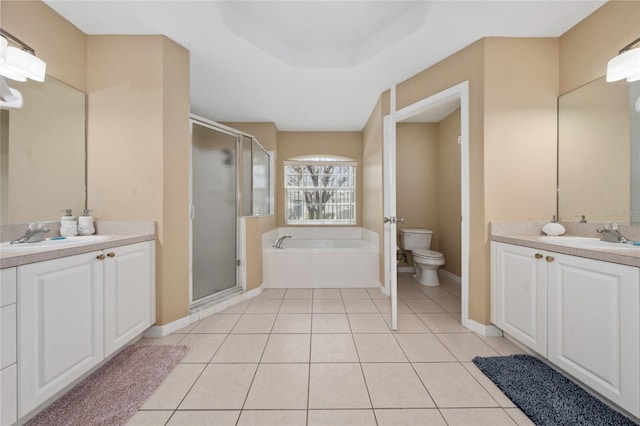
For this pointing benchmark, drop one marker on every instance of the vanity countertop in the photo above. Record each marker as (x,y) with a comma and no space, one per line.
(629,257)
(18,257)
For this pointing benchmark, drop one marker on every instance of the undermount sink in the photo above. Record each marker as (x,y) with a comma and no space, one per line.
(51,243)
(586,243)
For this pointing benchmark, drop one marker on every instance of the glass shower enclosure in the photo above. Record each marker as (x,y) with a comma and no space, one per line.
(214,212)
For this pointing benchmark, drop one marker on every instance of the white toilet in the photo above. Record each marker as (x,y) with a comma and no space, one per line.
(425,262)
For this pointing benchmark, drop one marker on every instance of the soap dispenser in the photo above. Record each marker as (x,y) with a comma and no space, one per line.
(68,224)
(85,223)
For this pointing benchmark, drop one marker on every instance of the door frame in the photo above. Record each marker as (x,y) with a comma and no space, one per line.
(459,91)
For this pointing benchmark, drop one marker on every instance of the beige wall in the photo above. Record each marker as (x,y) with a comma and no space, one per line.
(254,252)
(449,235)
(46,168)
(587,47)
(267,135)
(417,178)
(520,116)
(138,134)
(294,144)
(372,183)
(512,94)
(593,153)
(35,23)
(138,149)
(428,184)
(467,64)
(417,175)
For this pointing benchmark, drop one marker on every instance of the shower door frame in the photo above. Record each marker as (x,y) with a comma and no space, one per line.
(212,125)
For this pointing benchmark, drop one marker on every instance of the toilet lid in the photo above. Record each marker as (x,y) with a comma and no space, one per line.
(430,254)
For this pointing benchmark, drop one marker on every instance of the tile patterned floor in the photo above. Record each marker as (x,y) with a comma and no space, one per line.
(328,357)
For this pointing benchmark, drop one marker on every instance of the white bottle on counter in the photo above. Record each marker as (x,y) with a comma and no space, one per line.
(85,223)
(68,224)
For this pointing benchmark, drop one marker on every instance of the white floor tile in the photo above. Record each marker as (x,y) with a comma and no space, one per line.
(220,387)
(333,348)
(337,386)
(378,348)
(273,417)
(410,417)
(279,387)
(341,418)
(330,323)
(174,387)
(241,348)
(204,418)
(287,348)
(395,386)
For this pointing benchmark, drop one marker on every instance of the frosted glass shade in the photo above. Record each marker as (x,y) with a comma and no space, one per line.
(625,65)
(16,102)
(4,71)
(23,63)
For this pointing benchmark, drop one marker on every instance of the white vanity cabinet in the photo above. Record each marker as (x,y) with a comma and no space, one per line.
(594,325)
(61,324)
(583,315)
(8,345)
(129,294)
(519,289)
(75,311)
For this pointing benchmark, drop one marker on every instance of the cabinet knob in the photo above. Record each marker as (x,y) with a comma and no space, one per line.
(538,256)
(111,254)
(100,257)
(549,259)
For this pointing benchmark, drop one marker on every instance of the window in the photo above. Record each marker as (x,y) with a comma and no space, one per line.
(320,191)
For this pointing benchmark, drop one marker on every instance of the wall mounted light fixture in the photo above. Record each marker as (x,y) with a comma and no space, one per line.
(19,64)
(626,64)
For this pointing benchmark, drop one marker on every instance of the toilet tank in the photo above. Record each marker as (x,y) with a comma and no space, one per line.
(415,239)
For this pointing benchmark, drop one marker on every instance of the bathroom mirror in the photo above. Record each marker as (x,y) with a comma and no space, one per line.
(595,148)
(43,153)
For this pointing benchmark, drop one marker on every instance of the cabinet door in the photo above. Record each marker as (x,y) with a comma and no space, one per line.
(594,319)
(60,316)
(520,294)
(128,294)
(8,397)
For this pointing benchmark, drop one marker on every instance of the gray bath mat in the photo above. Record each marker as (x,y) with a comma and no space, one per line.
(545,395)
(113,394)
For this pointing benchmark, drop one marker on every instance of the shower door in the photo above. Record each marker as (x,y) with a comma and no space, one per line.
(214,204)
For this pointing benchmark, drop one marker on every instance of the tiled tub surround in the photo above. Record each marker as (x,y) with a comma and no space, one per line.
(333,257)
(526,234)
(120,233)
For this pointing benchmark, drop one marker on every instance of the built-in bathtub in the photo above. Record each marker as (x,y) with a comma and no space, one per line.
(332,257)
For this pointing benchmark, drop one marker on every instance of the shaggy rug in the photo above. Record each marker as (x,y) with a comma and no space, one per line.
(113,394)
(545,395)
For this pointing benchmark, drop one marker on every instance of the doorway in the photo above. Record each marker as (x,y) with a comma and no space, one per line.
(214,212)
(428,108)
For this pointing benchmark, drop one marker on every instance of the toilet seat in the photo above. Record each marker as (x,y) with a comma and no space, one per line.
(427,254)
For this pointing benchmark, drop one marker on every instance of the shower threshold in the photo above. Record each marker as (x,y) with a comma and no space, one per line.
(215,299)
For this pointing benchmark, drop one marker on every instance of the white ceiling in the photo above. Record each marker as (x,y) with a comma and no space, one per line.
(315,65)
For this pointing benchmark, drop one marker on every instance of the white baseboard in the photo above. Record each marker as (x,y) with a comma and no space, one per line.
(482,329)
(384,289)
(453,277)
(179,324)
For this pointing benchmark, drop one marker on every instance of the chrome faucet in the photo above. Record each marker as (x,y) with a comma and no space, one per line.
(278,243)
(613,235)
(35,233)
